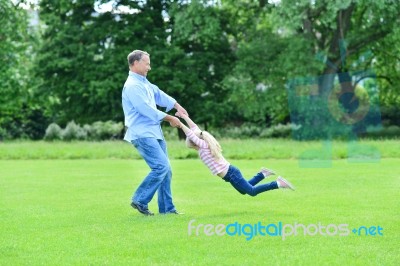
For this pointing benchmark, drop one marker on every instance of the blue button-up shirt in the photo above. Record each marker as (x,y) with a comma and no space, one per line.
(139,100)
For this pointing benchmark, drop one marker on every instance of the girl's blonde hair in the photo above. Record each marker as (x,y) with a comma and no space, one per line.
(213,144)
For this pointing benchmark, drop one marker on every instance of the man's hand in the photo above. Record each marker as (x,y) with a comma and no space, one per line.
(173,121)
(180,109)
(180,115)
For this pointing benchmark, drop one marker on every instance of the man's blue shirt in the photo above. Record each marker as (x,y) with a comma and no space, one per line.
(139,102)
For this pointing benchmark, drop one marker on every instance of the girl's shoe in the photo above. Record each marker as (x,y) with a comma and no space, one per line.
(283,183)
(267,172)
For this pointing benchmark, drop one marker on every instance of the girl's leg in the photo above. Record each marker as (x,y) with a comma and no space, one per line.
(256,179)
(236,179)
(260,176)
(264,187)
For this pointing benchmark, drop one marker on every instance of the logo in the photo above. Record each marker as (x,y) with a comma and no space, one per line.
(280,229)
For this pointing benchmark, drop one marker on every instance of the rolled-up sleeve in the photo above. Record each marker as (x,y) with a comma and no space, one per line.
(162,99)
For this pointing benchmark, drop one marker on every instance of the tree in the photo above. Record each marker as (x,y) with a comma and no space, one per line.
(340,34)
(201,57)
(266,58)
(339,31)
(83,58)
(17,51)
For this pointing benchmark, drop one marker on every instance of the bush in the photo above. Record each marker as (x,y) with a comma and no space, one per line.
(53,132)
(244,131)
(104,130)
(279,131)
(73,132)
(377,132)
(4,134)
(97,131)
(253,131)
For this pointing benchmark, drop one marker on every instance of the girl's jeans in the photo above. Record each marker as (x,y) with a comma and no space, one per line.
(235,177)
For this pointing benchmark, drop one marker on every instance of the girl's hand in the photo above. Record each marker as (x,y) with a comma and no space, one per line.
(178,114)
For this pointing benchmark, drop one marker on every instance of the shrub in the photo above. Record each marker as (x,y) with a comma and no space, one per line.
(253,131)
(279,131)
(53,132)
(376,132)
(97,131)
(244,131)
(104,130)
(73,132)
(3,134)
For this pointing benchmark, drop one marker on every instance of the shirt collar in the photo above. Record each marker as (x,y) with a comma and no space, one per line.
(137,76)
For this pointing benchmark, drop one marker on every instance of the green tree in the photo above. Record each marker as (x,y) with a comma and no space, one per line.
(275,43)
(266,58)
(83,57)
(18,106)
(340,30)
(201,56)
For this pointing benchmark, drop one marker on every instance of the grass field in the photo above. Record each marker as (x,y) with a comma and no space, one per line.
(76,212)
(233,149)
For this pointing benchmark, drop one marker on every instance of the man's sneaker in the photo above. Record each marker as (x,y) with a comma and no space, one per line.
(267,172)
(174,212)
(283,183)
(142,210)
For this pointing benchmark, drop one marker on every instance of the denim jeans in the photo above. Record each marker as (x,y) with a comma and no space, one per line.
(154,152)
(235,177)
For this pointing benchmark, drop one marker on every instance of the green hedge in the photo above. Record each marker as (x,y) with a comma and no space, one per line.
(97,131)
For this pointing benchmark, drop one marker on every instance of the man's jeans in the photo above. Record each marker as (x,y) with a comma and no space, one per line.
(154,152)
(235,177)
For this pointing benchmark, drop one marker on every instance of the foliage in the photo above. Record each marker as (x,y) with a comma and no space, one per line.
(280,131)
(20,114)
(83,57)
(13,47)
(104,130)
(97,131)
(53,132)
(227,62)
(202,56)
(378,132)
(73,132)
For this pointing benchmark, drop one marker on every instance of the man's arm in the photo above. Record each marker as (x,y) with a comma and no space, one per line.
(173,121)
(181,110)
(188,121)
(164,100)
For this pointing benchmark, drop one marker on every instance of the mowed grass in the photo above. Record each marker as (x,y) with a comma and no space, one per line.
(233,149)
(76,212)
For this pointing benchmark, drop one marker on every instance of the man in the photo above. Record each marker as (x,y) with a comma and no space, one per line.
(139,100)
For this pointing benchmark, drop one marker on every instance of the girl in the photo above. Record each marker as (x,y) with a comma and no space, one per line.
(210,153)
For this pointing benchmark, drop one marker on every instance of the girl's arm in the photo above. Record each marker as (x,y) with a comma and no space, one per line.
(188,121)
(184,128)
(190,134)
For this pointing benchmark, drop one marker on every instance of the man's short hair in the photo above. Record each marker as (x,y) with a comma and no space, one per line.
(136,55)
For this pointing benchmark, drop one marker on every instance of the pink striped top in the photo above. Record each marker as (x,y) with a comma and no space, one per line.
(205,154)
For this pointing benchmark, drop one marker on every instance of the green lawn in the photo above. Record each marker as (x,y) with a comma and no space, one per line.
(76,212)
(232,148)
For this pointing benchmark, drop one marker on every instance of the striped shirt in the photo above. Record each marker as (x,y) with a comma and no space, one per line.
(205,154)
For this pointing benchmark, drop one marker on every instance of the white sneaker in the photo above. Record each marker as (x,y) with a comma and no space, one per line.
(267,172)
(283,183)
